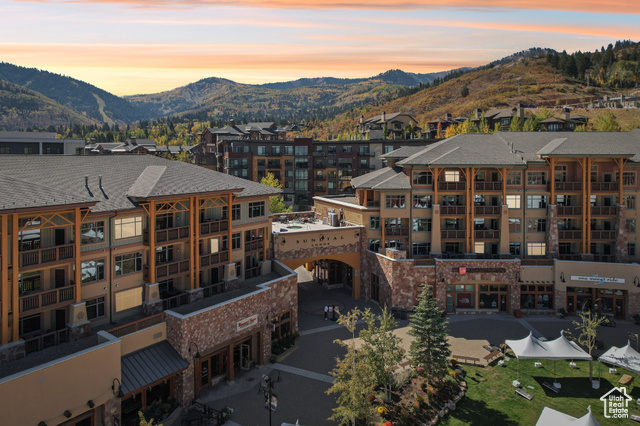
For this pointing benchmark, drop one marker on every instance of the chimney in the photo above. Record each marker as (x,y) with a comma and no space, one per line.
(232,122)
(86,182)
(519,111)
(361,119)
(448,116)
(100,182)
(478,113)
(383,117)
(566,113)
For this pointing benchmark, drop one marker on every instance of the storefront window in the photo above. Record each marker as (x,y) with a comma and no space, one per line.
(536,297)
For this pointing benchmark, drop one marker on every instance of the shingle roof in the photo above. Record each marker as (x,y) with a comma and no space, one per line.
(121,175)
(18,194)
(148,365)
(592,144)
(403,152)
(387,178)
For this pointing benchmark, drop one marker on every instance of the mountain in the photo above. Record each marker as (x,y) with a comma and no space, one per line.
(83,97)
(22,108)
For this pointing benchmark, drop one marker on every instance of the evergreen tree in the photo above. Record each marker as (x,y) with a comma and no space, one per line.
(430,348)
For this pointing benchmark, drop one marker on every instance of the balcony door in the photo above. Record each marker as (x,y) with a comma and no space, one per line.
(59,278)
(61,319)
(58,237)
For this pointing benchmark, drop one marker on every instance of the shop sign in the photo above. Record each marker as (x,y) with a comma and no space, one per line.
(247,322)
(462,270)
(597,280)
(464,300)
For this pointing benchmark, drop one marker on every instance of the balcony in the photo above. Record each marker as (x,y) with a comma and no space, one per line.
(174,301)
(274,154)
(536,262)
(138,325)
(452,210)
(253,245)
(46,255)
(319,166)
(487,234)
(396,231)
(320,177)
(213,259)
(168,235)
(604,210)
(603,235)
(47,340)
(168,270)
(488,186)
(488,210)
(451,186)
(604,186)
(566,186)
(570,256)
(319,188)
(604,258)
(450,234)
(573,234)
(214,226)
(569,210)
(49,299)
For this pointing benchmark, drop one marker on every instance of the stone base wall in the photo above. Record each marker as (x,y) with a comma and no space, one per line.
(196,294)
(553,247)
(152,308)
(79,331)
(216,328)
(231,284)
(620,248)
(633,305)
(111,412)
(12,352)
(560,300)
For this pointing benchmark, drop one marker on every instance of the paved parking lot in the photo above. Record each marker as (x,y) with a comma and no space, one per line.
(304,374)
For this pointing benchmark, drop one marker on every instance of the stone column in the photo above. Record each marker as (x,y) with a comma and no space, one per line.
(504,231)
(620,246)
(152,303)
(436,233)
(79,326)
(230,278)
(552,231)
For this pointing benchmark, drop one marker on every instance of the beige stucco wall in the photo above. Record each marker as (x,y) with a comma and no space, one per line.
(626,271)
(143,338)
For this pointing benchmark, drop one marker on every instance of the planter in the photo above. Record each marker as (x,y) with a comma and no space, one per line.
(288,352)
(174,418)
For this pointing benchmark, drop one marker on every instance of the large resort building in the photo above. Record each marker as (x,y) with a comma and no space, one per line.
(507,222)
(129,280)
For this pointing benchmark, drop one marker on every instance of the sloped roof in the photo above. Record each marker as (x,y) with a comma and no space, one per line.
(19,194)
(402,152)
(148,365)
(386,178)
(592,144)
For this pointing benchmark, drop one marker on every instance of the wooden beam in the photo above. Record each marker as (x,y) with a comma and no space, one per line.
(4,271)
(586,203)
(15,294)
(587,178)
(78,258)
(152,241)
(230,237)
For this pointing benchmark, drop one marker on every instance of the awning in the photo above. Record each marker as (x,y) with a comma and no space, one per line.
(560,348)
(625,357)
(148,365)
(549,416)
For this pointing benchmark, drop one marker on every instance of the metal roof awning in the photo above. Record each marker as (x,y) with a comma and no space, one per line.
(149,365)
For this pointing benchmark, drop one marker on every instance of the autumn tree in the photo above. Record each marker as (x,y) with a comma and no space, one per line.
(587,326)
(606,123)
(276,205)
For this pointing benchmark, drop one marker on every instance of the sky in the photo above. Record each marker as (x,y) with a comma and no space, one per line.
(147,46)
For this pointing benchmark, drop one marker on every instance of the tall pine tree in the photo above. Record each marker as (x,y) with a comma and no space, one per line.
(430,348)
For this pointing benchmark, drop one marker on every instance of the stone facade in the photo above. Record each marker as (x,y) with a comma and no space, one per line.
(12,352)
(152,308)
(552,231)
(79,331)
(620,246)
(214,328)
(111,412)
(633,304)
(560,299)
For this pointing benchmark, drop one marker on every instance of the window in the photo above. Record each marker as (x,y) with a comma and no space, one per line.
(29,282)
(631,226)
(331,185)
(6,150)
(514,178)
(28,150)
(92,232)
(478,247)
(560,173)
(92,271)
(236,212)
(238,269)
(374,222)
(452,176)
(394,201)
(513,201)
(422,201)
(127,227)
(346,148)
(515,225)
(30,324)
(514,249)
(628,178)
(262,150)
(536,178)
(395,244)
(128,263)
(421,249)
(422,178)
(282,326)
(256,209)
(95,308)
(128,299)
(388,149)
(594,173)
(421,225)
(536,296)
(536,201)
(236,241)
(631,249)
(374,245)
(288,150)
(301,150)
(537,225)
(301,185)
(629,201)
(537,249)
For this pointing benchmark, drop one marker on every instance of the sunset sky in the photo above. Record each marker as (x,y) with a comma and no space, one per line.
(146,46)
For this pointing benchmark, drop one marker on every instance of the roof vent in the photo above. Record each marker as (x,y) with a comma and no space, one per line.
(100,182)
(86,182)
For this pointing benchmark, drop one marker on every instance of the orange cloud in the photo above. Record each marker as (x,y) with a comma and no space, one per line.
(588,6)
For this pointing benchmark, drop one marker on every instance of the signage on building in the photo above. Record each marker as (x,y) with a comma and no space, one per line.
(462,270)
(326,238)
(597,280)
(247,322)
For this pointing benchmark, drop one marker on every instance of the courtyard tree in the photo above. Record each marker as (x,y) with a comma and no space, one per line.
(276,205)
(353,379)
(430,348)
(587,327)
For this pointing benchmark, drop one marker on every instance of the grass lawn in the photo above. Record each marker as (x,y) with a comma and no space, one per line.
(491,398)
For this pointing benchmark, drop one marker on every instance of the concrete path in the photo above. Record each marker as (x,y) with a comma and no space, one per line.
(305,373)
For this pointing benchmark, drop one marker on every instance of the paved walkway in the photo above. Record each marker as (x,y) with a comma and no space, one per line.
(305,373)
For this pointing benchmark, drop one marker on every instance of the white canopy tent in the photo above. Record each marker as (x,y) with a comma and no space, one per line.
(625,357)
(549,416)
(558,349)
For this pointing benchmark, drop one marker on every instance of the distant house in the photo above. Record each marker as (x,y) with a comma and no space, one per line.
(438,128)
(136,146)
(266,131)
(38,143)
(395,124)
(502,117)
(621,101)
(566,123)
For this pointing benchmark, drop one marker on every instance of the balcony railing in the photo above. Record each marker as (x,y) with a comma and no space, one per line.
(569,210)
(453,234)
(49,298)
(487,234)
(47,340)
(604,258)
(605,186)
(536,262)
(253,245)
(319,188)
(46,255)
(141,324)
(319,177)
(214,258)
(570,256)
(252,272)
(488,186)
(604,210)
(212,227)
(174,301)
(451,186)
(396,231)
(170,269)
(488,210)
(603,235)
(452,210)
(168,235)
(566,186)
(570,234)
